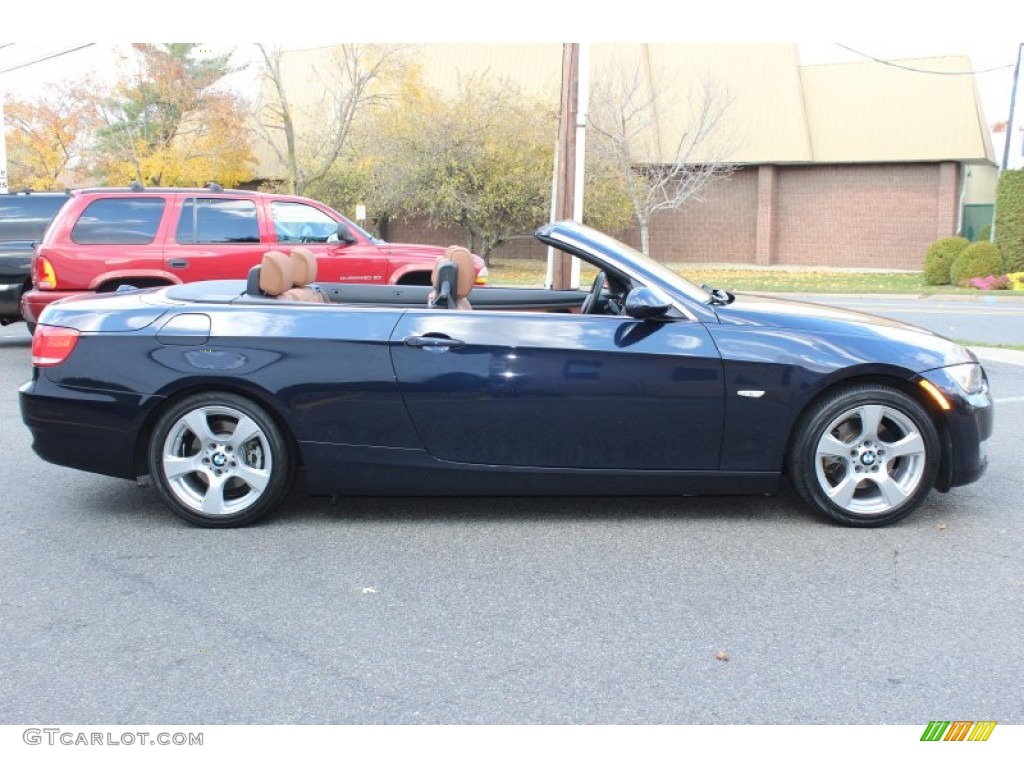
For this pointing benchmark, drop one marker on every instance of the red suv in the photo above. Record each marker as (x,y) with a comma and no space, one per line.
(104,238)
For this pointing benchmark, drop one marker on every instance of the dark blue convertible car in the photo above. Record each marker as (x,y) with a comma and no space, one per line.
(644,384)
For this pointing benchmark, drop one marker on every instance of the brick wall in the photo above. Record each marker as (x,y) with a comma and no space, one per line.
(721,228)
(864,215)
(881,215)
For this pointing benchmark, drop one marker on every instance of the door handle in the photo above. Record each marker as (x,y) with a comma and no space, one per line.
(178,263)
(433,342)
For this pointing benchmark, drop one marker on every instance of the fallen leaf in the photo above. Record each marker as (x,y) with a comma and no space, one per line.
(940,526)
(722,656)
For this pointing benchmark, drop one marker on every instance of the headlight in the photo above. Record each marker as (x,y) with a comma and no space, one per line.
(969,376)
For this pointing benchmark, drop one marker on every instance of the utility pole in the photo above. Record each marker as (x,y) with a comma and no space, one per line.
(3,149)
(560,264)
(1013,102)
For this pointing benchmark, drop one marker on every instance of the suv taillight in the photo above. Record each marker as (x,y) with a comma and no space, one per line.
(52,345)
(46,276)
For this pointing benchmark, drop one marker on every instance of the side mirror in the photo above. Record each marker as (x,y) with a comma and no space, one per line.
(645,303)
(345,234)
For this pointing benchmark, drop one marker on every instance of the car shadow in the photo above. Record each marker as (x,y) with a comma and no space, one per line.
(299,507)
(125,503)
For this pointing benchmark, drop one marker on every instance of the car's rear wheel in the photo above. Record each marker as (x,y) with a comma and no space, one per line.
(220,460)
(865,455)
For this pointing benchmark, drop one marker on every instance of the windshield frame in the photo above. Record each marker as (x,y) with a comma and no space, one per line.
(582,239)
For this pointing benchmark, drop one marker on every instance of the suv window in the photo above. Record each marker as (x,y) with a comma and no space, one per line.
(119,221)
(301,223)
(218,220)
(25,217)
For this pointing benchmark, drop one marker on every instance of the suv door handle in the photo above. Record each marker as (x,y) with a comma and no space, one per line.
(178,263)
(434,342)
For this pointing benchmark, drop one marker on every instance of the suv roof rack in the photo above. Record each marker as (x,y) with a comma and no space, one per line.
(158,190)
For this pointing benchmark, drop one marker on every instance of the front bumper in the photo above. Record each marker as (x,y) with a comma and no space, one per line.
(968,423)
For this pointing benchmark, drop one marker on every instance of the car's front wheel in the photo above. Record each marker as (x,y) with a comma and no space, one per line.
(219,460)
(865,455)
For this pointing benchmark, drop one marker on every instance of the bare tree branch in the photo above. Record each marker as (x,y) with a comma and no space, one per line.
(350,82)
(624,118)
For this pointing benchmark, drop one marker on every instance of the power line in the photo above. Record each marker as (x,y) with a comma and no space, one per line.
(43,58)
(923,71)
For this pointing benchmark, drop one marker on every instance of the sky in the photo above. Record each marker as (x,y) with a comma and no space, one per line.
(884,29)
(25,67)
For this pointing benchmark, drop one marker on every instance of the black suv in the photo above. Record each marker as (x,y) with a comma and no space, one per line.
(24,217)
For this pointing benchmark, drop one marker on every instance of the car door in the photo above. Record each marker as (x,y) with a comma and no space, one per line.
(214,238)
(561,390)
(298,224)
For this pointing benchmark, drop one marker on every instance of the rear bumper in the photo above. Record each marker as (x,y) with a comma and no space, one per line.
(10,301)
(91,430)
(33,302)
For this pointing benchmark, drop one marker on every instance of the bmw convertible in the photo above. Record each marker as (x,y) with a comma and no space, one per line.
(642,384)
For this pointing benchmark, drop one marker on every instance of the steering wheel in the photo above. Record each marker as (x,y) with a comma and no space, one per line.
(592,304)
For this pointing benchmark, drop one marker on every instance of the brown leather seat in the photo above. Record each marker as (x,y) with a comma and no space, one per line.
(303,273)
(452,279)
(275,275)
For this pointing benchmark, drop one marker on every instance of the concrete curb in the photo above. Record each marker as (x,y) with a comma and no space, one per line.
(997,355)
(1009,297)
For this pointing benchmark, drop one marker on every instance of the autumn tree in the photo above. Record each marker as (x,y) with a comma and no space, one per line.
(308,142)
(46,137)
(168,123)
(660,167)
(480,160)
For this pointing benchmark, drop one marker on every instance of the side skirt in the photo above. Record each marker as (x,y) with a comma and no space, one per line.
(349,470)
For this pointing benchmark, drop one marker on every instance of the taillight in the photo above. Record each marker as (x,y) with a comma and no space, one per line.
(52,345)
(46,276)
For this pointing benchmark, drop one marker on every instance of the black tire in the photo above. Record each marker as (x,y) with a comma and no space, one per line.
(866,455)
(193,449)
(31,328)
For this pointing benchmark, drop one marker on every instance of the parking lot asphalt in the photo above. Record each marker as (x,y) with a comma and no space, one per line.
(514,610)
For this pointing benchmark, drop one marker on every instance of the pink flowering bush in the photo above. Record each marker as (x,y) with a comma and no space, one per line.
(990,283)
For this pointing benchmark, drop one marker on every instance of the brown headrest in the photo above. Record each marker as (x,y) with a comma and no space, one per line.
(467,272)
(437,265)
(275,273)
(303,266)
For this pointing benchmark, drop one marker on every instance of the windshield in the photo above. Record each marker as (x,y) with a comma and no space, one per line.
(372,238)
(357,228)
(629,259)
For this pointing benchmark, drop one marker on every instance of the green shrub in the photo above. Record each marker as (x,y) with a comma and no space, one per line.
(940,258)
(1010,218)
(976,260)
